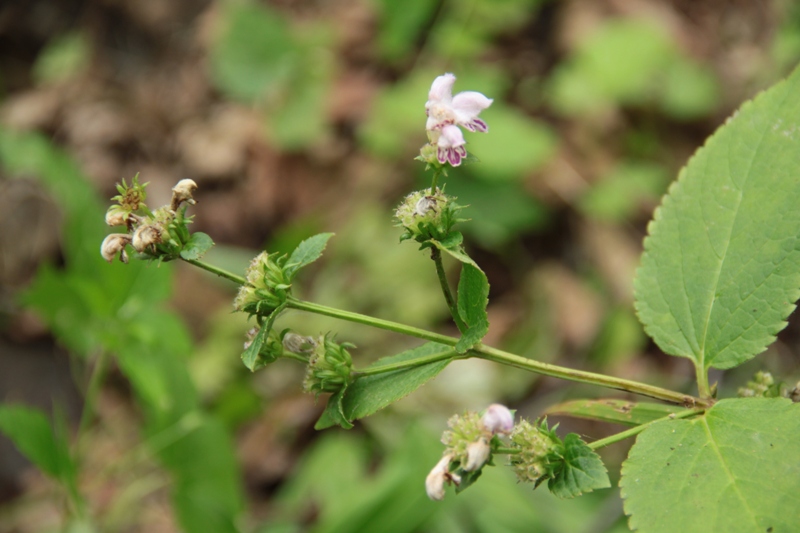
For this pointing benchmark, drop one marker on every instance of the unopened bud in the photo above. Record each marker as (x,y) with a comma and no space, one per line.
(295,343)
(498,419)
(116,217)
(182,192)
(145,236)
(535,443)
(427,214)
(477,454)
(434,483)
(329,367)
(115,244)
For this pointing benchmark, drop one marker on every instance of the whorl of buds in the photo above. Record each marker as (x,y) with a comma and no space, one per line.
(267,285)
(329,367)
(115,244)
(182,192)
(535,443)
(427,214)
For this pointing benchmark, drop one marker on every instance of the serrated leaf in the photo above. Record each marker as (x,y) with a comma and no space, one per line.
(612,410)
(735,468)
(199,243)
(721,268)
(32,433)
(307,252)
(581,470)
(473,297)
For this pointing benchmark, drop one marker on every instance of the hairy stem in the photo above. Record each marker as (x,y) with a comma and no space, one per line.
(436,255)
(611,439)
(506,358)
(218,271)
(487,352)
(411,363)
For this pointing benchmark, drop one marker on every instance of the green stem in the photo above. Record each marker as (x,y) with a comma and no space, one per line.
(411,363)
(702,381)
(296,357)
(507,451)
(638,429)
(506,358)
(436,173)
(487,352)
(218,271)
(436,255)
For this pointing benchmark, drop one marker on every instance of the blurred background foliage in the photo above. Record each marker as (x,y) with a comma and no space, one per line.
(304,116)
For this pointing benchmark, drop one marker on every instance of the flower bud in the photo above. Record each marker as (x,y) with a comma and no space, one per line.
(116,216)
(267,285)
(182,192)
(427,215)
(131,197)
(478,453)
(271,350)
(146,235)
(434,483)
(295,343)
(329,367)
(535,444)
(115,244)
(498,419)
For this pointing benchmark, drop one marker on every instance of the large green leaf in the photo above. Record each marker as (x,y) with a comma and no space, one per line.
(721,268)
(735,468)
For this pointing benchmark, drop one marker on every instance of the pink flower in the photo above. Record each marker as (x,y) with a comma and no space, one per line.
(498,419)
(447,112)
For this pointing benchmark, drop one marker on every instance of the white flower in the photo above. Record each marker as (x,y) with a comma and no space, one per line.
(447,112)
(477,454)
(115,244)
(434,483)
(144,236)
(498,419)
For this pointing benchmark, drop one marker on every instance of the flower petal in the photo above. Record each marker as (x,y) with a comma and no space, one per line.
(442,88)
(434,483)
(467,106)
(451,137)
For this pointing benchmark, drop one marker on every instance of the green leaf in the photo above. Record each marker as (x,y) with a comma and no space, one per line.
(611,410)
(250,355)
(368,394)
(306,253)
(721,267)
(198,244)
(253,53)
(334,414)
(581,470)
(733,469)
(473,297)
(31,431)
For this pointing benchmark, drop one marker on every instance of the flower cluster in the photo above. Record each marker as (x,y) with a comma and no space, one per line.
(533,462)
(445,114)
(267,285)
(470,441)
(427,214)
(161,233)
(329,367)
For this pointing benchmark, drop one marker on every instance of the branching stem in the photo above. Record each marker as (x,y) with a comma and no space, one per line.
(436,255)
